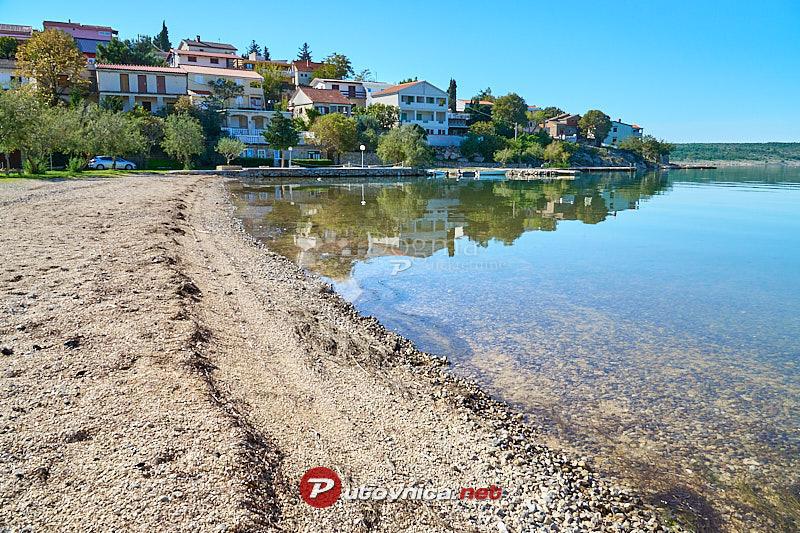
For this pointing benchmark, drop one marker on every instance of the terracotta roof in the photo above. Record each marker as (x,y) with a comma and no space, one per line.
(306,66)
(397,88)
(144,68)
(203,54)
(324,96)
(229,72)
(47,23)
(200,91)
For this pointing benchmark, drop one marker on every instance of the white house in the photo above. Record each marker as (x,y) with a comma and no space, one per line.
(620,131)
(150,87)
(9,75)
(418,102)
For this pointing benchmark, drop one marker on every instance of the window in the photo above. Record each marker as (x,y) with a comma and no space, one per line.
(192,59)
(148,106)
(429,100)
(440,101)
(262,154)
(198,78)
(403,117)
(614,129)
(335,87)
(420,99)
(215,61)
(255,101)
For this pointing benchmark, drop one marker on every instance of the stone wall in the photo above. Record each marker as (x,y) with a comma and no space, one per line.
(318,172)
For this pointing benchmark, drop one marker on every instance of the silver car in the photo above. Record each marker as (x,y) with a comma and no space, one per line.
(102,162)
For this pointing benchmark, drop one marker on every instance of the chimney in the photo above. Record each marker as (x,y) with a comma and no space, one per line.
(197,38)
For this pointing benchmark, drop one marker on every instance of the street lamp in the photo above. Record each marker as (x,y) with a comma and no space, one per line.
(290,156)
(362,148)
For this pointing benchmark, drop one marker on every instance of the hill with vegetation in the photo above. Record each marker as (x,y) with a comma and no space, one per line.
(773,152)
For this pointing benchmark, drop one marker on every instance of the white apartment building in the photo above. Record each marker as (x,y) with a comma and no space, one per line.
(418,102)
(203,54)
(620,131)
(149,87)
(9,76)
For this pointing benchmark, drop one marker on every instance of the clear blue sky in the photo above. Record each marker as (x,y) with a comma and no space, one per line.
(686,70)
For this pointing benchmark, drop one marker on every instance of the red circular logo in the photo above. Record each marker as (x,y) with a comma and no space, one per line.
(320,487)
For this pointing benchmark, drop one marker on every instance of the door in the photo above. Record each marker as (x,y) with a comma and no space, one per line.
(124,83)
(142,83)
(161,84)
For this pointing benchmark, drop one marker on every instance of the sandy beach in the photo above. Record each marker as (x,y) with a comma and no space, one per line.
(162,371)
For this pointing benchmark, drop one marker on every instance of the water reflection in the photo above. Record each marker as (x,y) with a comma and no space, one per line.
(651,321)
(326,228)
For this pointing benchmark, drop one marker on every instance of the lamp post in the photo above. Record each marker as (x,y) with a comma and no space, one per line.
(290,157)
(362,148)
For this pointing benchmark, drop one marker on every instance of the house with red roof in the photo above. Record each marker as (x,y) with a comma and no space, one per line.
(152,88)
(417,102)
(302,72)
(323,101)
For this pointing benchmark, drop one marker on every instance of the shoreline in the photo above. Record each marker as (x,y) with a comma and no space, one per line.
(167,370)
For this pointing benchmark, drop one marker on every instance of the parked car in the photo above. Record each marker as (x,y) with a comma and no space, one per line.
(102,162)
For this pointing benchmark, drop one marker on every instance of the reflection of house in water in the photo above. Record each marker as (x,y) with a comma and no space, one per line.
(422,237)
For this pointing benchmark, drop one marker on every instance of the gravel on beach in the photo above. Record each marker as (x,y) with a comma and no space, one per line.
(163,371)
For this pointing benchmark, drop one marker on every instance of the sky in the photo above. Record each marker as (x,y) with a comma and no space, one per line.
(685,70)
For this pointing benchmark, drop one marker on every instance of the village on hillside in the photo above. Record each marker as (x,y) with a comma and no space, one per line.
(256,110)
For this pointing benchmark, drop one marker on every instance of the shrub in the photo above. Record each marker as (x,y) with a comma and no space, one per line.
(76,164)
(34,165)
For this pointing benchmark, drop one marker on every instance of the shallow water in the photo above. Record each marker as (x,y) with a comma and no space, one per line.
(652,322)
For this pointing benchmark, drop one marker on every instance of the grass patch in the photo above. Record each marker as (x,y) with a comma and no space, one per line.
(70,175)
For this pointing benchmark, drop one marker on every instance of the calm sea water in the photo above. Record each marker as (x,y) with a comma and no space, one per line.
(652,322)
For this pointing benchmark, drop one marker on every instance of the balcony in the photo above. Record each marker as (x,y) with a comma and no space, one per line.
(248,136)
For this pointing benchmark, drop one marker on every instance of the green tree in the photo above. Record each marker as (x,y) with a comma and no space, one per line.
(52,59)
(559,153)
(336,132)
(386,115)
(305,53)
(140,51)
(405,145)
(274,82)
(538,117)
(152,129)
(335,66)
(266,53)
(223,89)
(452,94)
(482,141)
(510,110)
(648,147)
(364,75)
(113,134)
(407,80)
(19,110)
(161,40)
(253,48)
(485,94)
(183,138)
(8,48)
(595,124)
(281,133)
(230,148)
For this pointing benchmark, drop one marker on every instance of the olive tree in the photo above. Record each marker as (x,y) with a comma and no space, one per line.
(183,138)
(229,148)
(336,132)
